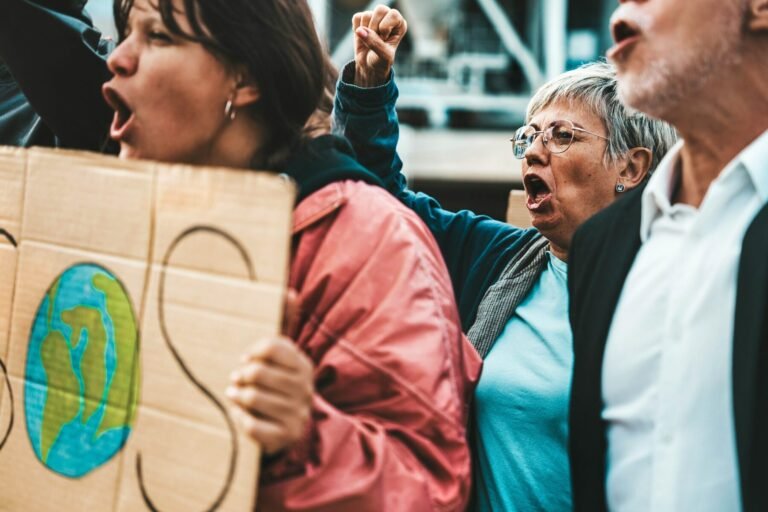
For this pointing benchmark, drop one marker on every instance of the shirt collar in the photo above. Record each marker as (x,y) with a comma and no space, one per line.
(755,160)
(656,196)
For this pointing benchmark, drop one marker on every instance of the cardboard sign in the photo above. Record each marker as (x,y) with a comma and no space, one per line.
(128,293)
(517,212)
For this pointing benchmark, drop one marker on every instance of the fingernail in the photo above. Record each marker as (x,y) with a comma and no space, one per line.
(362,32)
(231,392)
(235,376)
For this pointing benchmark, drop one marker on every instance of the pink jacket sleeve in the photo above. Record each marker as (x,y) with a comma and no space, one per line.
(393,370)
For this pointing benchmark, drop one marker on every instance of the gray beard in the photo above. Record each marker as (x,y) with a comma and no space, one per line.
(675,79)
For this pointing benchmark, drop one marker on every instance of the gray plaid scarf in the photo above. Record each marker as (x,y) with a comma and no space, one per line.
(503,297)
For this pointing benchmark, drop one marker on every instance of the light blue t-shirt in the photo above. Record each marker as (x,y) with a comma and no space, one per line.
(521,404)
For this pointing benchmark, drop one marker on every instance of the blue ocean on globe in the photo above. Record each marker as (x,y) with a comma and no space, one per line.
(82,371)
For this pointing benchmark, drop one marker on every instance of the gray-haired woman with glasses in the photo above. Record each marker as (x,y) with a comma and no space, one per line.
(558,137)
(581,149)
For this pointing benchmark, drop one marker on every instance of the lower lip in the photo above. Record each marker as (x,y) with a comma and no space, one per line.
(538,203)
(119,133)
(621,50)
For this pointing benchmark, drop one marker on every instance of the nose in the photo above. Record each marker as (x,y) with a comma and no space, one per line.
(537,153)
(124,59)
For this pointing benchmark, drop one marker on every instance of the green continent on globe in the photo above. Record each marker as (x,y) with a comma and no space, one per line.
(88,321)
(63,401)
(51,298)
(124,389)
(82,380)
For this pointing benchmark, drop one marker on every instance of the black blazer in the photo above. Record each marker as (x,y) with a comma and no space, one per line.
(599,260)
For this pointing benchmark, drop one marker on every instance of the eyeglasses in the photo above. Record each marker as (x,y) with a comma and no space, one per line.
(557,138)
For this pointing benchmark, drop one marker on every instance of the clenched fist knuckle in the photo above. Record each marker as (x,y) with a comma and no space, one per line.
(257,350)
(273,346)
(256,372)
(251,398)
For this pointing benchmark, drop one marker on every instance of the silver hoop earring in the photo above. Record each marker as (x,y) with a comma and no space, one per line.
(620,188)
(229,110)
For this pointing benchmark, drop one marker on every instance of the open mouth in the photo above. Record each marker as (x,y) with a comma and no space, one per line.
(124,116)
(538,192)
(625,34)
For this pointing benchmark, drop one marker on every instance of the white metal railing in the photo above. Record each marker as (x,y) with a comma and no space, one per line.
(439,95)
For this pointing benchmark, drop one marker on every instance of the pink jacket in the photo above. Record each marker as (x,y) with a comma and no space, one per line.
(394,373)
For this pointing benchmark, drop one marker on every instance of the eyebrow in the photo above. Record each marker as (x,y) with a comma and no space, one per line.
(576,124)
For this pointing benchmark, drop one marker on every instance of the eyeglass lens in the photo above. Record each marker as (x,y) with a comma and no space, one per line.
(557,138)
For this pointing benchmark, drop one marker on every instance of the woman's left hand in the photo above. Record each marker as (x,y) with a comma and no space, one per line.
(272,392)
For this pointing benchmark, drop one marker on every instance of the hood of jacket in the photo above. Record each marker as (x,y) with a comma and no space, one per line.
(325,160)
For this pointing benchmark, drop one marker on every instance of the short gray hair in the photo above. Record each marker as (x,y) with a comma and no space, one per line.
(594,85)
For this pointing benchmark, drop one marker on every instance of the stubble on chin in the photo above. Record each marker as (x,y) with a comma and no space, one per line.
(668,83)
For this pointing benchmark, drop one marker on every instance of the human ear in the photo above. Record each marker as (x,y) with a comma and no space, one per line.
(636,165)
(246,91)
(757,15)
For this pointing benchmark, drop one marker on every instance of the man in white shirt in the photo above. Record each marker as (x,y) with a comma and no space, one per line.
(669,287)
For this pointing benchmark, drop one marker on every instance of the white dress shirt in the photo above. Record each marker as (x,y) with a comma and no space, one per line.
(667,388)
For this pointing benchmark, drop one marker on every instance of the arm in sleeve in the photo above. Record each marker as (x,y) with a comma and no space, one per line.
(393,379)
(470,243)
(58,59)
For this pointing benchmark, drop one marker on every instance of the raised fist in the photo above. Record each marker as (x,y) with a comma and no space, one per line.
(378,33)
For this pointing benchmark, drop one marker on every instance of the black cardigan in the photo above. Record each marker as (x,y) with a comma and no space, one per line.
(600,258)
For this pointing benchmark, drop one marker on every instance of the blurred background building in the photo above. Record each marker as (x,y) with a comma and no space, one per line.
(466,72)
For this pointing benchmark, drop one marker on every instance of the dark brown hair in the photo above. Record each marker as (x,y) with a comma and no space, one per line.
(276,43)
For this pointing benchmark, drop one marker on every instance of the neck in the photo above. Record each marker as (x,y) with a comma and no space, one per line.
(717,126)
(559,252)
(238,145)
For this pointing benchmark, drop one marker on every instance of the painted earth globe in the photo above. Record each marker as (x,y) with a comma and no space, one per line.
(82,371)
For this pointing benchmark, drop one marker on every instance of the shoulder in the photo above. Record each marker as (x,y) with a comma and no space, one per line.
(374,205)
(371,254)
(364,219)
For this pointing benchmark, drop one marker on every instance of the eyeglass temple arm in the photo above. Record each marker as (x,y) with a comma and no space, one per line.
(591,133)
